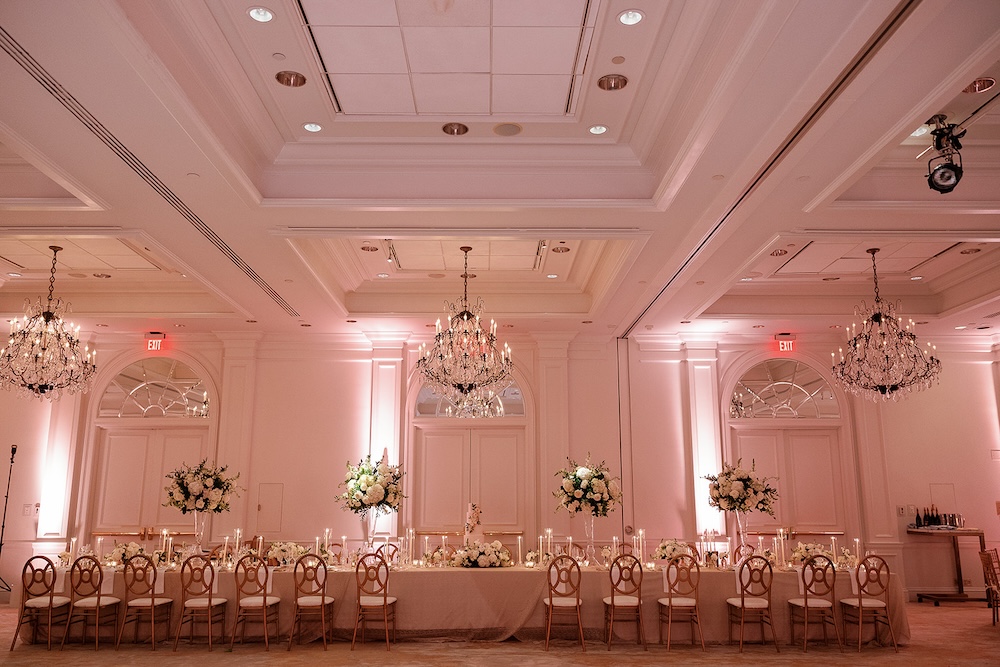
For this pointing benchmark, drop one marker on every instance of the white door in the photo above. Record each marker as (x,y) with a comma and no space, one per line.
(131,470)
(454,467)
(815,481)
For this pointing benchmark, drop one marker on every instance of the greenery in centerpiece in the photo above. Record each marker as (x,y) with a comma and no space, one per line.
(201,488)
(667,549)
(372,487)
(587,488)
(804,551)
(122,552)
(286,553)
(736,489)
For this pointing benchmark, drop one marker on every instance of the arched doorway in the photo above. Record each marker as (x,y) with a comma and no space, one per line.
(784,417)
(154,416)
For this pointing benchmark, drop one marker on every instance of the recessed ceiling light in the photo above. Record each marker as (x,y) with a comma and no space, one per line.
(779,252)
(260,14)
(834,326)
(305,325)
(290,79)
(552,275)
(920,131)
(598,129)
(435,275)
(970,251)
(960,327)
(13,274)
(103,326)
(383,275)
(102,275)
(431,326)
(180,326)
(746,279)
(587,322)
(922,322)
(507,129)
(685,321)
(508,326)
(312,127)
(982,327)
(831,279)
(630,17)
(455,129)
(916,277)
(369,248)
(251,321)
(980,85)
(758,326)
(351,321)
(612,82)
(559,249)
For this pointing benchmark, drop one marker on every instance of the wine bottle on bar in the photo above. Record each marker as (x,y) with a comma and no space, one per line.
(927,517)
(919,523)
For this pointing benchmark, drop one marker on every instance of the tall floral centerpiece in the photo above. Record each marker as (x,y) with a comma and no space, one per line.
(200,489)
(738,490)
(372,488)
(590,489)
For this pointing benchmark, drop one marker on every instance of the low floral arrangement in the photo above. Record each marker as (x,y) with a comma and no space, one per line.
(372,487)
(122,552)
(159,557)
(608,554)
(738,490)
(771,557)
(437,557)
(847,559)
(64,558)
(667,549)
(482,554)
(201,488)
(286,553)
(329,556)
(587,488)
(540,557)
(803,552)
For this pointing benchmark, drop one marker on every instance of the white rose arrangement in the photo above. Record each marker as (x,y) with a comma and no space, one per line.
(738,490)
(482,554)
(286,553)
(587,488)
(200,488)
(122,552)
(372,487)
(667,549)
(803,552)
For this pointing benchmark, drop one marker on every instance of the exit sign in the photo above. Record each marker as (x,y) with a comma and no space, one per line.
(783,345)
(154,344)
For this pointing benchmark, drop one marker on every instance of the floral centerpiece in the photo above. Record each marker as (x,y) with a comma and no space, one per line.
(201,488)
(540,557)
(587,488)
(667,549)
(372,487)
(439,556)
(482,554)
(846,559)
(736,489)
(286,553)
(122,552)
(803,552)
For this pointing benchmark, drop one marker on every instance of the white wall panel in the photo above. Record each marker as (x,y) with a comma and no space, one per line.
(440,479)
(498,480)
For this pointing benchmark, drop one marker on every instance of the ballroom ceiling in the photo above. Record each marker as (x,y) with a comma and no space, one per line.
(755,153)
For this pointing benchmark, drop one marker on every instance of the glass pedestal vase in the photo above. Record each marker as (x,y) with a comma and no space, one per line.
(739,553)
(199,530)
(588,526)
(368,525)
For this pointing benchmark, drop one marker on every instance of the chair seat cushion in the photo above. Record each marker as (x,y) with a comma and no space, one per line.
(870,603)
(314,600)
(42,603)
(259,601)
(144,602)
(562,602)
(375,600)
(814,603)
(677,602)
(623,601)
(749,603)
(202,603)
(91,603)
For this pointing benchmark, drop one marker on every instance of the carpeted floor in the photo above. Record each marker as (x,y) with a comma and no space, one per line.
(956,634)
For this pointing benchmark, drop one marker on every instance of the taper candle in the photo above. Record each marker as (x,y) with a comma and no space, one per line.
(519,539)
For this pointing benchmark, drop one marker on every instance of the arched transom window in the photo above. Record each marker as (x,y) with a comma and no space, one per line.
(508,403)
(783,388)
(156,387)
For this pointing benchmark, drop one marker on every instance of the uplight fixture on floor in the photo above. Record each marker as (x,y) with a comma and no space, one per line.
(883,359)
(464,365)
(43,356)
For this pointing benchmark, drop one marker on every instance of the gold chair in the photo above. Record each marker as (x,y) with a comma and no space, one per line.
(819,580)
(992,580)
(140,598)
(872,601)
(625,600)
(252,598)
(310,595)
(336,552)
(564,595)
(388,551)
(38,598)
(198,600)
(86,578)
(680,581)
(753,579)
(741,553)
(374,601)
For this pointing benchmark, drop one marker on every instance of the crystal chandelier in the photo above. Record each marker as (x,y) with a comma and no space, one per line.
(883,359)
(464,364)
(43,355)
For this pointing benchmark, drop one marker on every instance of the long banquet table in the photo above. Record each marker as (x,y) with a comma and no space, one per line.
(499,603)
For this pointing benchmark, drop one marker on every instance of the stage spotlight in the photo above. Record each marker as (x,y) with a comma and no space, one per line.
(945,176)
(944,170)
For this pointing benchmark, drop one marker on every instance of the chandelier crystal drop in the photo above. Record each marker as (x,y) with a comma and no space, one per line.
(464,365)
(43,356)
(883,358)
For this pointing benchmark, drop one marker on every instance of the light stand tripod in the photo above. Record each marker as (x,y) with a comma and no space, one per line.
(4,586)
